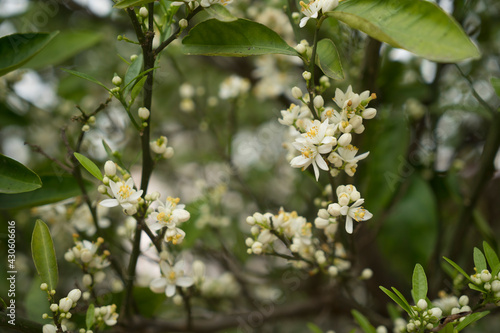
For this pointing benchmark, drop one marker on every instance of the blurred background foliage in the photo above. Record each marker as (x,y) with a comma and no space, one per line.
(425,148)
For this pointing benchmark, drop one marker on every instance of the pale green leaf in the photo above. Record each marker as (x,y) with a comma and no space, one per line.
(363,322)
(64,46)
(476,288)
(403,304)
(18,49)
(137,89)
(16,178)
(220,13)
(89,166)
(329,59)
(238,38)
(132,3)
(314,328)
(44,255)
(418,26)
(491,257)
(419,284)
(471,319)
(458,268)
(479,260)
(86,77)
(90,317)
(132,72)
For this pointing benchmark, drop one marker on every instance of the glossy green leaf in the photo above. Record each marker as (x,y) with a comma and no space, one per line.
(458,268)
(491,257)
(363,322)
(479,260)
(89,166)
(44,255)
(86,77)
(131,3)
(16,178)
(329,59)
(18,49)
(418,26)
(471,319)
(419,284)
(220,13)
(55,188)
(90,317)
(238,38)
(314,328)
(403,304)
(64,46)
(495,82)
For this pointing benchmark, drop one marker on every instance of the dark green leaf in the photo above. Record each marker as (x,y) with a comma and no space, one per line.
(419,284)
(403,304)
(131,3)
(18,49)
(86,77)
(329,59)
(418,26)
(44,255)
(495,82)
(363,322)
(89,166)
(64,46)
(458,268)
(491,256)
(89,318)
(471,319)
(238,38)
(16,178)
(55,188)
(220,13)
(314,328)
(479,260)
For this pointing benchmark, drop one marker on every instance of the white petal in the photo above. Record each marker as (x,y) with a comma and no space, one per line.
(321,162)
(158,285)
(303,21)
(348,225)
(109,203)
(170,291)
(185,281)
(316,171)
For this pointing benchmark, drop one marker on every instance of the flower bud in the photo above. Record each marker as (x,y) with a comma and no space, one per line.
(85,128)
(117,81)
(485,275)
(323,213)
(169,153)
(344,199)
(44,286)
(257,248)
(321,223)
(65,304)
(369,113)
(110,168)
(381,329)
(436,312)
(143,12)
(255,230)
(356,121)
(143,113)
(87,280)
(334,209)
(86,255)
(366,274)
(75,295)
(300,48)
(49,328)
(422,304)
(249,242)
(69,256)
(306,75)
(54,307)
(463,300)
(183,23)
(318,102)
(296,92)
(495,286)
(333,271)
(345,139)
(133,57)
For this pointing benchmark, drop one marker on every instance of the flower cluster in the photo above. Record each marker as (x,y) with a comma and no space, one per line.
(105,315)
(487,283)
(85,254)
(349,205)
(167,217)
(325,143)
(173,276)
(423,319)
(160,148)
(313,8)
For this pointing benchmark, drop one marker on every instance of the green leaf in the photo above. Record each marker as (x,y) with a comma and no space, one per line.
(44,255)
(473,317)
(419,284)
(403,304)
(18,49)
(16,178)
(495,82)
(479,260)
(89,318)
(89,166)
(329,59)
(86,77)
(132,72)
(131,3)
(35,302)
(476,288)
(314,328)
(402,298)
(458,268)
(491,256)
(137,89)
(64,46)
(448,328)
(418,26)
(55,188)
(363,322)
(219,12)
(238,38)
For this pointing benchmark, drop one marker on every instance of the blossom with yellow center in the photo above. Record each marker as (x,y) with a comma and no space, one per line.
(172,277)
(124,194)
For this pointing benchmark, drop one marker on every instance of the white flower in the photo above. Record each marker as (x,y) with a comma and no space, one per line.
(312,9)
(233,86)
(208,3)
(356,212)
(171,278)
(349,100)
(347,156)
(169,214)
(312,144)
(124,194)
(294,113)
(159,146)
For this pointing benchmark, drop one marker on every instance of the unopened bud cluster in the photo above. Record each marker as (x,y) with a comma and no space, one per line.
(424,318)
